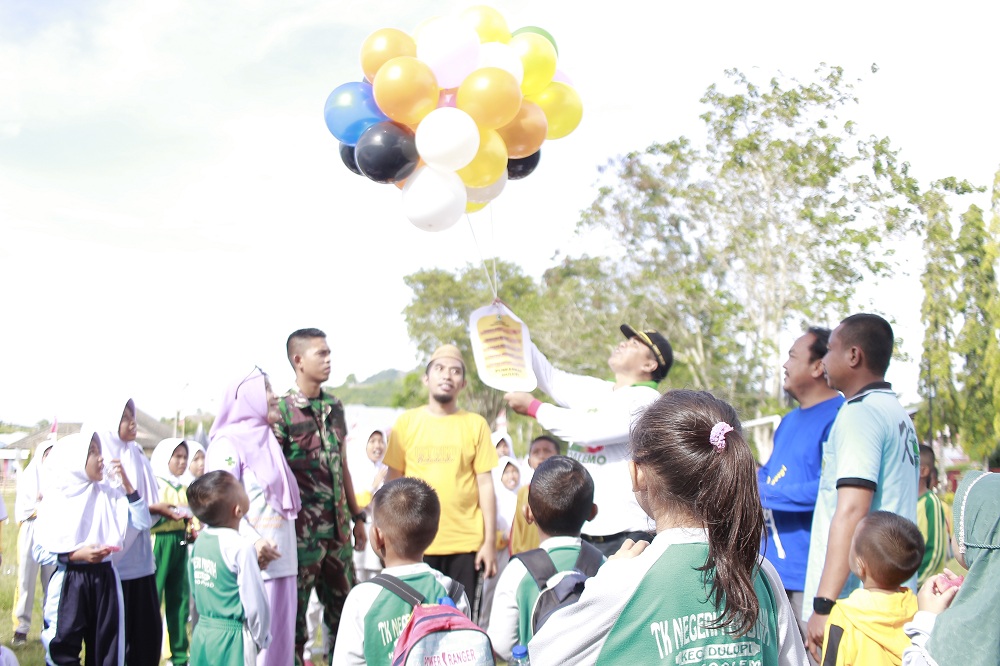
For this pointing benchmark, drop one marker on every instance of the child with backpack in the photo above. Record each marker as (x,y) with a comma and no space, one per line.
(405,514)
(560,501)
(700,592)
(234,619)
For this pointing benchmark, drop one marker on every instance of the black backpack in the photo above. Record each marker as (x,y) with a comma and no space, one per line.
(558,589)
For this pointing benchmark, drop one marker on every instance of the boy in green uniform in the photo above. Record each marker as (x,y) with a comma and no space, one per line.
(405,514)
(560,500)
(234,618)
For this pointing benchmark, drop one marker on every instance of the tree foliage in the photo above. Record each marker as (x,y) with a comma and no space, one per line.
(772,220)
(936,384)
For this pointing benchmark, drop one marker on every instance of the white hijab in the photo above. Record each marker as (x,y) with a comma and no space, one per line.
(77,511)
(194,448)
(29,483)
(506,499)
(134,461)
(160,461)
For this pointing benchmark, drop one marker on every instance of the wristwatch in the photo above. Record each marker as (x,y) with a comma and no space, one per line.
(360,517)
(823,606)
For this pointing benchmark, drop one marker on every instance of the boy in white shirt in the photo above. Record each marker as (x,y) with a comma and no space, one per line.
(405,514)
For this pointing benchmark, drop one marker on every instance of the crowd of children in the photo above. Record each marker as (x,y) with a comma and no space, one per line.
(122,537)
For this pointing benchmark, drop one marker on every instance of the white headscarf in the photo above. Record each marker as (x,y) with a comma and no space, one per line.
(77,511)
(194,448)
(506,499)
(160,461)
(134,461)
(29,483)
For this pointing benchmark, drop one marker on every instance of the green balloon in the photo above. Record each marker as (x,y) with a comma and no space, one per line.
(538,31)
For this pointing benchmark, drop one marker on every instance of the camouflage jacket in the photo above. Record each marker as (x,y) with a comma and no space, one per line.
(311,433)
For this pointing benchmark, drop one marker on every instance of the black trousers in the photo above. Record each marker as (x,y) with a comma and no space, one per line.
(143,626)
(87,615)
(460,567)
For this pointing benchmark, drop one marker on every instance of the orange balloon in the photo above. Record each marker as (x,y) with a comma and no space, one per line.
(525,134)
(562,106)
(489,163)
(382,46)
(406,90)
(490,95)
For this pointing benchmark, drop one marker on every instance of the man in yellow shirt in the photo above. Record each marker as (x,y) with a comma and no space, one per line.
(452,451)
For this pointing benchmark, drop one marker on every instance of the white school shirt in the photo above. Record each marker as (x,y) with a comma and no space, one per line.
(595,419)
(261,519)
(576,634)
(350,646)
(505,616)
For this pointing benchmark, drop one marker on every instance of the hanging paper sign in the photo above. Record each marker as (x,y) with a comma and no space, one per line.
(500,345)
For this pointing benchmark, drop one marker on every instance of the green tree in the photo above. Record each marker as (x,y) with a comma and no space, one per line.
(977,341)
(936,384)
(439,314)
(775,218)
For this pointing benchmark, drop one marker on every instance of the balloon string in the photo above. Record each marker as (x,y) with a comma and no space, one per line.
(482,260)
(493,244)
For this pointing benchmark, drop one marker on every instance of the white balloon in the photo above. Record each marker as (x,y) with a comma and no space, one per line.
(433,200)
(447,138)
(488,193)
(450,48)
(497,54)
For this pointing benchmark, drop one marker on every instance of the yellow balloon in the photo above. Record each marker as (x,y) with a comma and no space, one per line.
(490,95)
(538,56)
(472,207)
(489,163)
(489,24)
(562,107)
(405,90)
(382,46)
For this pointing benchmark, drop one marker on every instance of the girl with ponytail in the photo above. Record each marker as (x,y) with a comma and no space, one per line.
(700,593)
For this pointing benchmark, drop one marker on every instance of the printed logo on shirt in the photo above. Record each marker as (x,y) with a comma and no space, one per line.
(585,457)
(390,629)
(908,442)
(204,571)
(675,635)
(777,477)
(426,455)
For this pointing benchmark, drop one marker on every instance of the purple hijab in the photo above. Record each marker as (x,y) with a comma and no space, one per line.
(243,421)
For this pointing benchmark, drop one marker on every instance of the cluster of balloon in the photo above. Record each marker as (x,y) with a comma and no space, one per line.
(452,112)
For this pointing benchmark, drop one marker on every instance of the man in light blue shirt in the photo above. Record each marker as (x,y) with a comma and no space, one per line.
(870,462)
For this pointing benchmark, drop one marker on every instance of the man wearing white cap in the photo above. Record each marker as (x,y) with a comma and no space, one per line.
(594,416)
(450,448)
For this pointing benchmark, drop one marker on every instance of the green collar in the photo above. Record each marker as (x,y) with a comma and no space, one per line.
(651,384)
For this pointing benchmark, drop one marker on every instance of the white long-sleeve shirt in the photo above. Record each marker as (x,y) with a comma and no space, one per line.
(595,418)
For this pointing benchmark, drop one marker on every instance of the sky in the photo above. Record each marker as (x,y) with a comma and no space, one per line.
(172,204)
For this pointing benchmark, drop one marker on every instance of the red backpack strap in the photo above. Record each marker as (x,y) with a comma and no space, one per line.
(399,588)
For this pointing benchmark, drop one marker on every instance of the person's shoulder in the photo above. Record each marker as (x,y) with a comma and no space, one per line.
(330,399)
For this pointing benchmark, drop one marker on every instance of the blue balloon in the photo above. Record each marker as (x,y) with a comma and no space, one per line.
(350,110)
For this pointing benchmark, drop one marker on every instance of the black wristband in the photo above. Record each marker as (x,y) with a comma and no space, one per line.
(823,606)
(360,517)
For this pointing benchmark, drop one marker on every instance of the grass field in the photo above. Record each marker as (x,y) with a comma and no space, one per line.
(32,653)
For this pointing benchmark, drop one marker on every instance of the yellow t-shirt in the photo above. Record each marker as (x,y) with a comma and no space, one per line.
(447,452)
(523,536)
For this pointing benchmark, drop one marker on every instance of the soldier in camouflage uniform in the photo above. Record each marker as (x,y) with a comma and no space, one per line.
(312,432)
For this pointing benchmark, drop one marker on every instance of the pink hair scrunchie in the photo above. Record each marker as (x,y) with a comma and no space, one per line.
(718,436)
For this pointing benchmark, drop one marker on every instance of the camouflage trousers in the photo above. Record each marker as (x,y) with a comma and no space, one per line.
(327,565)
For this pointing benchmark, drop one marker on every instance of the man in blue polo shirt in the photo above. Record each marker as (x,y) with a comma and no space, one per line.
(870,462)
(789,480)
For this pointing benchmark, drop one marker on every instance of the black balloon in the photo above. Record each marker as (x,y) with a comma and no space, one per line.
(347,154)
(387,152)
(521,168)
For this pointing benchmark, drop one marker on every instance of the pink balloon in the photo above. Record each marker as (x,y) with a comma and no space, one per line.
(448,98)
(561,76)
